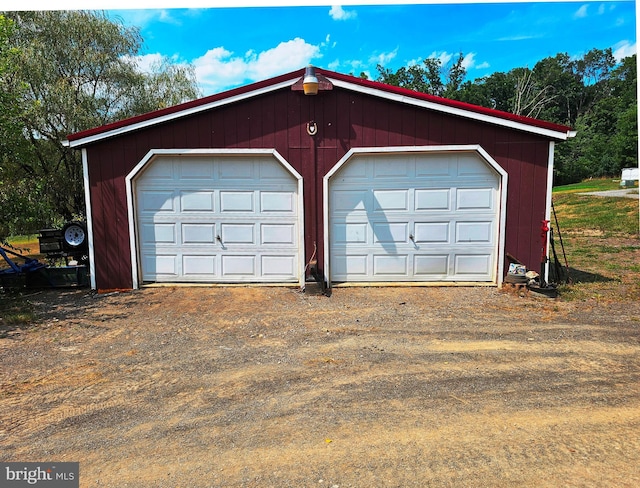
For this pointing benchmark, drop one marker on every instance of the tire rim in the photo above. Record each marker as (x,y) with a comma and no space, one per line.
(74,235)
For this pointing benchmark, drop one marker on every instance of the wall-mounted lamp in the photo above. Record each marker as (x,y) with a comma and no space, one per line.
(310,81)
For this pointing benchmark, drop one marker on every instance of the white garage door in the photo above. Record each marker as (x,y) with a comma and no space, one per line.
(217,219)
(414,217)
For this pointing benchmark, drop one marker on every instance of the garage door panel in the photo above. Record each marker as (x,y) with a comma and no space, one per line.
(392,168)
(348,200)
(250,202)
(388,200)
(470,165)
(385,264)
(161,264)
(472,264)
(387,232)
(235,169)
(431,265)
(479,232)
(347,266)
(238,234)
(197,201)
(355,172)
(277,202)
(158,233)
(281,234)
(235,201)
(193,265)
(436,199)
(350,232)
(242,265)
(436,166)
(475,199)
(278,265)
(198,233)
(160,170)
(271,171)
(156,201)
(198,169)
(432,232)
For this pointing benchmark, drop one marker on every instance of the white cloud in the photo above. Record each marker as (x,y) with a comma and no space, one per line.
(581,12)
(383,58)
(143,17)
(334,65)
(469,61)
(338,13)
(444,57)
(219,69)
(518,38)
(624,49)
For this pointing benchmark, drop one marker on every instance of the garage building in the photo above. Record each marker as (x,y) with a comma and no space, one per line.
(359,183)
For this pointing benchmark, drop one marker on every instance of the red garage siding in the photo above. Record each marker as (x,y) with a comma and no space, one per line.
(277,120)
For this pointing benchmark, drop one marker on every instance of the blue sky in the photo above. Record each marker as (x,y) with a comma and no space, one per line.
(230,47)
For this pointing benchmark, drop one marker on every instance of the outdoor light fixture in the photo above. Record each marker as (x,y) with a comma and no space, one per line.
(310,82)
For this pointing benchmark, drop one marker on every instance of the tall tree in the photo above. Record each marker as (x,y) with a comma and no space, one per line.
(79,71)
(22,201)
(607,128)
(429,77)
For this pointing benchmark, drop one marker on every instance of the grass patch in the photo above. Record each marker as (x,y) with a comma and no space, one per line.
(27,244)
(601,241)
(586,214)
(595,184)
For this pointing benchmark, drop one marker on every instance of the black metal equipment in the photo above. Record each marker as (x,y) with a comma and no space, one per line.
(70,241)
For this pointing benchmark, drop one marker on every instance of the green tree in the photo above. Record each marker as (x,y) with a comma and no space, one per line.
(429,77)
(21,199)
(494,91)
(607,129)
(78,71)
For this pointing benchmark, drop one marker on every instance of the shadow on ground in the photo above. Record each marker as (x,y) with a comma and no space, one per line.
(579,276)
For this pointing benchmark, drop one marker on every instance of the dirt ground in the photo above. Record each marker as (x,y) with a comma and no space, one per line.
(371,387)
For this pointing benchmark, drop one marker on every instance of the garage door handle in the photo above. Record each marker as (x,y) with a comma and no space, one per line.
(218,238)
(411,237)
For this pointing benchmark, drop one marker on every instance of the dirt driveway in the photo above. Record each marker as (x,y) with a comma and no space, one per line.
(372,387)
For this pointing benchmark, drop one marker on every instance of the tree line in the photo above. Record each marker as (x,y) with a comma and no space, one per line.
(62,72)
(595,95)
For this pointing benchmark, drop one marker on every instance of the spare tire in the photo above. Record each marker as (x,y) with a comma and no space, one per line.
(75,235)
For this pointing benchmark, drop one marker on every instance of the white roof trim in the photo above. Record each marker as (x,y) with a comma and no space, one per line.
(176,115)
(512,124)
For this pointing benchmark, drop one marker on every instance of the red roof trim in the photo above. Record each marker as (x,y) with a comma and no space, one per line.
(448,102)
(330,74)
(185,106)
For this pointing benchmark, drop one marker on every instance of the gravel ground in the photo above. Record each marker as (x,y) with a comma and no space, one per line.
(626,193)
(371,387)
